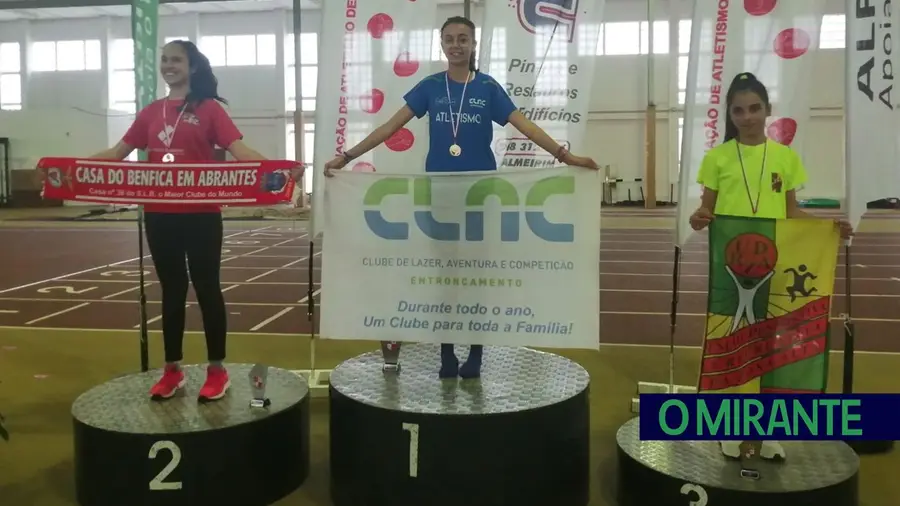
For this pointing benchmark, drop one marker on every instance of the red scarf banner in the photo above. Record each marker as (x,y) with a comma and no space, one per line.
(259,183)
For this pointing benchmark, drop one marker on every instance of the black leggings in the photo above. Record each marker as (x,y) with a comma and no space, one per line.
(198,237)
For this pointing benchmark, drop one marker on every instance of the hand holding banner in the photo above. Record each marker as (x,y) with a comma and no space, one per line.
(265,182)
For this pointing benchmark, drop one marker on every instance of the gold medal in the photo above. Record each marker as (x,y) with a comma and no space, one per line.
(455,150)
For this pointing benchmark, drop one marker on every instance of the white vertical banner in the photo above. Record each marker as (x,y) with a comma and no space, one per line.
(872,170)
(543,52)
(371,52)
(505,259)
(771,39)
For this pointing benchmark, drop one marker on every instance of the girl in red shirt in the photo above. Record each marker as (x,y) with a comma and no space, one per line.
(186,126)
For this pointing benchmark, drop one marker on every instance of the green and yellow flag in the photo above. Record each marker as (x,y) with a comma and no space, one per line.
(769,306)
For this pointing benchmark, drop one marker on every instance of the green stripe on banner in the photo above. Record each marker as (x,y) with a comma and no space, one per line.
(145,33)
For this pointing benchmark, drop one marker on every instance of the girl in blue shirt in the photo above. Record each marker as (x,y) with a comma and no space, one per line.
(461,103)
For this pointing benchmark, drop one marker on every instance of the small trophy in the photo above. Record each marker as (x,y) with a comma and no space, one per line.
(259,377)
(3,432)
(750,457)
(390,350)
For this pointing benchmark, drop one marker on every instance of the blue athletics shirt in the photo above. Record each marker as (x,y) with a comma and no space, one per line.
(485,102)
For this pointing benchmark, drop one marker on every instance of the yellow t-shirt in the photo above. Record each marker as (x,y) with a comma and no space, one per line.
(721,172)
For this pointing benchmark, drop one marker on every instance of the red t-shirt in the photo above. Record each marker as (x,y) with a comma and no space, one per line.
(194,140)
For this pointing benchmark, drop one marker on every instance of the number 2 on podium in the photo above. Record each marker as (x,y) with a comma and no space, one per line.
(413,429)
(158,482)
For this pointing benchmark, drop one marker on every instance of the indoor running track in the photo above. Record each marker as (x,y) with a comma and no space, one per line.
(87,278)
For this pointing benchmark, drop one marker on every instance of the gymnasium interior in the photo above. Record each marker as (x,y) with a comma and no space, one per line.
(69,305)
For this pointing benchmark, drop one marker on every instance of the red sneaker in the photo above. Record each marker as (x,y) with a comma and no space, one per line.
(171,381)
(216,385)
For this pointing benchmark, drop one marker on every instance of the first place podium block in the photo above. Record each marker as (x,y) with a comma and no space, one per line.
(519,435)
(134,451)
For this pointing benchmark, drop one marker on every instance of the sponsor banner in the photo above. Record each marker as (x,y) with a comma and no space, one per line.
(543,52)
(370,55)
(771,39)
(145,33)
(476,258)
(872,168)
(230,183)
(768,315)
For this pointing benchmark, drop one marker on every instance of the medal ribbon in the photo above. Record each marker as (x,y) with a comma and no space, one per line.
(168,139)
(455,125)
(762,171)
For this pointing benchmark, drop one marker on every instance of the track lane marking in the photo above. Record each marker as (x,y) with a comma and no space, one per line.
(272,318)
(97,268)
(51,315)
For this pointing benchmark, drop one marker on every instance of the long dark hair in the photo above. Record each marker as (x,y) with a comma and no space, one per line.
(459,20)
(744,81)
(204,85)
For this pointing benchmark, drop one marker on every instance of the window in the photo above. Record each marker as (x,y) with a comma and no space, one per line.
(682,78)
(10,76)
(170,39)
(551,84)
(309,143)
(684,36)
(684,48)
(239,50)
(622,38)
(590,39)
(832,34)
(66,55)
(680,138)
(309,71)
(660,37)
(121,81)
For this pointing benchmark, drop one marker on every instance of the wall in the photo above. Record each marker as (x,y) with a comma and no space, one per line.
(67,112)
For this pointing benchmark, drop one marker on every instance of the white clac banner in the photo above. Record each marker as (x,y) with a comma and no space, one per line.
(371,52)
(465,258)
(773,39)
(543,52)
(872,129)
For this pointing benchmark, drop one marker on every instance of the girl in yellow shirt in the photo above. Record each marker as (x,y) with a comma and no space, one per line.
(748,174)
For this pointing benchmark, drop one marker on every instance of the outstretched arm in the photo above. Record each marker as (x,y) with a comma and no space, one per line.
(381,134)
(547,143)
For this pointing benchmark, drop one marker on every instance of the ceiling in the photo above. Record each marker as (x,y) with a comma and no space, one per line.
(41,9)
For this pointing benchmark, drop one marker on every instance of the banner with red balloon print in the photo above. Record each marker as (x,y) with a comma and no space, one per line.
(772,39)
(370,55)
(543,52)
(873,162)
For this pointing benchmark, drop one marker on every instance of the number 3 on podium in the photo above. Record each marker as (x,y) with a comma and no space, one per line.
(413,429)
(702,498)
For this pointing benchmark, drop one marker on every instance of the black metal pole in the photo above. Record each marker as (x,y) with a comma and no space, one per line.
(860,447)
(676,274)
(848,324)
(145,352)
(6,196)
(310,302)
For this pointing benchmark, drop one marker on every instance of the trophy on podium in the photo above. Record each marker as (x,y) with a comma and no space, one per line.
(259,377)
(390,350)
(3,432)
(750,455)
